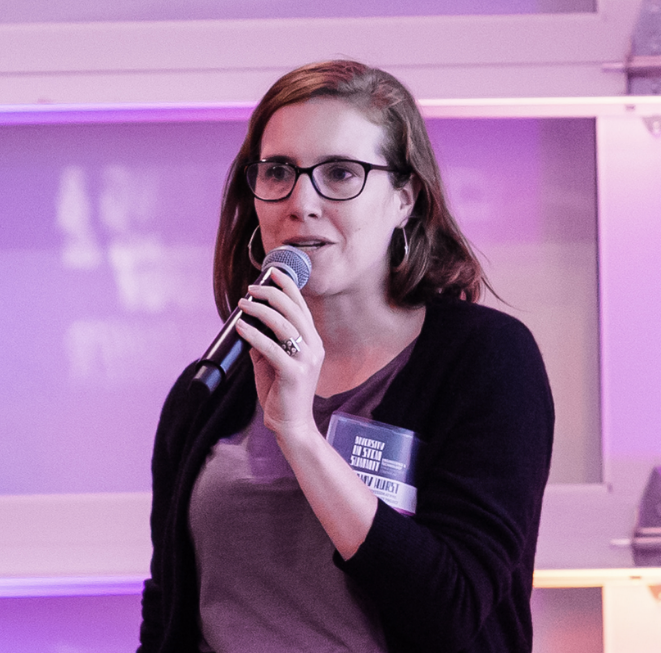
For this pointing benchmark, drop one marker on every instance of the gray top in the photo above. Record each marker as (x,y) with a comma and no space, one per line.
(265,571)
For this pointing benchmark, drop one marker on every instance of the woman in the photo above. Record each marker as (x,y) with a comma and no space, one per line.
(264,538)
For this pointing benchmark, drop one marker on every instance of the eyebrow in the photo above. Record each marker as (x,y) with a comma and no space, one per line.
(277,158)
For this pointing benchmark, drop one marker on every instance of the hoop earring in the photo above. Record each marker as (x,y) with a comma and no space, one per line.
(252,258)
(405,258)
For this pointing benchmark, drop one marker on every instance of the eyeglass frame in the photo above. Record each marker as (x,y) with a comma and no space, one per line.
(367,167)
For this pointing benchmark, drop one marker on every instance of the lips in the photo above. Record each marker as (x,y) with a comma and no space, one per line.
(307,244)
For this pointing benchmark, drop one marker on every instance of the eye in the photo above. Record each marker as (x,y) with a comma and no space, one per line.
(275,172)
(339,172)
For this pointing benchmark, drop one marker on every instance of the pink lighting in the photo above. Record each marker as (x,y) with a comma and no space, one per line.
(106,267)
(62,114)
(109,216)
(631,278)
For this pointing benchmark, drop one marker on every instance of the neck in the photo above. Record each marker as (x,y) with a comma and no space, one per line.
(360,335)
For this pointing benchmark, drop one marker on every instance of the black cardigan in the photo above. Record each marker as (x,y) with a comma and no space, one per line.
(458,575)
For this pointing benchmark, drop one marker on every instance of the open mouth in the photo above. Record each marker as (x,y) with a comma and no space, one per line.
(307,245)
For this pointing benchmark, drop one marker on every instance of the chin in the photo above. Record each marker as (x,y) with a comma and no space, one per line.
(320,287)
(313,290)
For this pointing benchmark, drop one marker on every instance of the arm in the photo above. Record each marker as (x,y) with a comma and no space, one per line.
(344,505)
(286,386)
(461,569)
(187,430)
(170,436)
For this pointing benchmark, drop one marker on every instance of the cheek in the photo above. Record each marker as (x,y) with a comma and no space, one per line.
(377,226)
(267,226)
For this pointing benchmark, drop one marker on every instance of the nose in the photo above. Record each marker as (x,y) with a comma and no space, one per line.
(304,200)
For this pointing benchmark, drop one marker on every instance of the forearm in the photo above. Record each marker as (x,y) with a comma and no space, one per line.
(461,569)
(344,505)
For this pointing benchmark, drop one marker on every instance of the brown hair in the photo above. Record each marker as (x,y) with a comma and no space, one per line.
(440,259)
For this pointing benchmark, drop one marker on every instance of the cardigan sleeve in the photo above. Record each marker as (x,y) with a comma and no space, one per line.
(188,427)
(457,576)
(173,427)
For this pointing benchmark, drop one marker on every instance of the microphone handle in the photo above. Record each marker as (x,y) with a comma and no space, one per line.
(228,348)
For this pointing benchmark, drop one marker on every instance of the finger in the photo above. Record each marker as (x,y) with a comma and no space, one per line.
(293,310)
(282,327)
(266,347)
(276,298)
(287,285)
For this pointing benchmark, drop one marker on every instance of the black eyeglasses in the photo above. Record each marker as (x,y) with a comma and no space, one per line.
(340,179)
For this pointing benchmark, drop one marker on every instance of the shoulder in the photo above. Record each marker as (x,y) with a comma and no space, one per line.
(468,357)
(456,329)
(176,415)
(446,314)
(185,414)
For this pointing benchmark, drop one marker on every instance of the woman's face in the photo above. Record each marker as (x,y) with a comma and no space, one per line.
(347,241)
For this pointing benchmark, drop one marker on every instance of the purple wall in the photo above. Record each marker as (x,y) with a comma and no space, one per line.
(566,621)
(106,244)
(71,624)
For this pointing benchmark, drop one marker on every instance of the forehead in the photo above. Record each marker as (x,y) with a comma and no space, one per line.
(310,131)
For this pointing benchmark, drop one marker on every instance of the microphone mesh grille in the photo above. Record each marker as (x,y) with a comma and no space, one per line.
(291,260)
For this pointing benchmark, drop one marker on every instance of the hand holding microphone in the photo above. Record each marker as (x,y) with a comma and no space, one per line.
(228,347)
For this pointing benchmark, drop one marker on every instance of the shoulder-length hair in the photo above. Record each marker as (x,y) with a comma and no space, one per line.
(440,259)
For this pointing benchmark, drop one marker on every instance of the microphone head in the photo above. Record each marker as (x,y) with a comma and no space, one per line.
(291,260)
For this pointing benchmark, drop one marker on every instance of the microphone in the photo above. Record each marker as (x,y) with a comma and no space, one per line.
(229,348)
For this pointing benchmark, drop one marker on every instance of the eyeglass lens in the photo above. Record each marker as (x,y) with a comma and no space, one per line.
(272,180)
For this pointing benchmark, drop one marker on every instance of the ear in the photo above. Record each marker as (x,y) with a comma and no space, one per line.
(408,195)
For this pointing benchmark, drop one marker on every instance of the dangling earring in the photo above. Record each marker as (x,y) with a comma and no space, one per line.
(253,260)
(405,258)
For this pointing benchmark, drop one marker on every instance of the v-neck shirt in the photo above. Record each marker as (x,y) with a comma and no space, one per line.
(264,563)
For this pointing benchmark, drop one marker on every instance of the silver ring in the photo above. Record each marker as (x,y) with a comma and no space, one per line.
(291,345)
